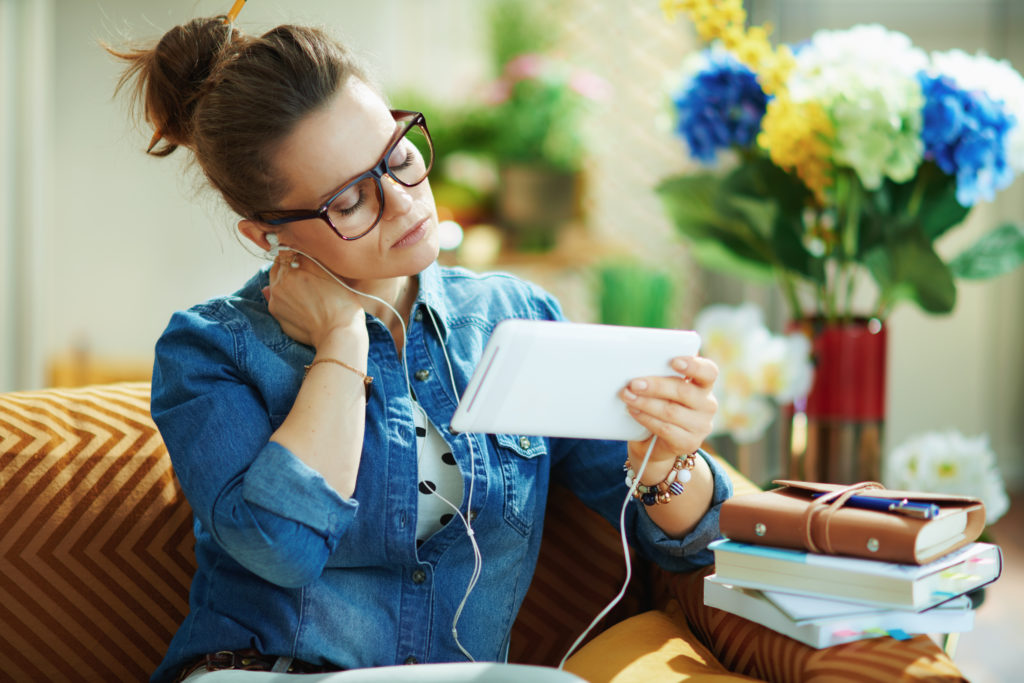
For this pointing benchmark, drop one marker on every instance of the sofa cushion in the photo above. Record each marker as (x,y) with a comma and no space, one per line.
(96,545)
(96,538)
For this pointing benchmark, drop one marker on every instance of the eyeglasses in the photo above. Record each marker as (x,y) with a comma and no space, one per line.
(356,208)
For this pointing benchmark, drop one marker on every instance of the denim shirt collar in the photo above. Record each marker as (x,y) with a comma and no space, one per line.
(431,294)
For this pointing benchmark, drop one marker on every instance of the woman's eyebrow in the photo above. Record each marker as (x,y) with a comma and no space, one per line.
(324,198)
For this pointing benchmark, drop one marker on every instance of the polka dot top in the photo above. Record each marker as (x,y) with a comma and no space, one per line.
(439,478)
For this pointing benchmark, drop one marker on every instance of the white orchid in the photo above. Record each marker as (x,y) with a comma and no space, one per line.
(949,462)
(756,368)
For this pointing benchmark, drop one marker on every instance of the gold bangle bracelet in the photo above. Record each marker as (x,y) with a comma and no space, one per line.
(367,380)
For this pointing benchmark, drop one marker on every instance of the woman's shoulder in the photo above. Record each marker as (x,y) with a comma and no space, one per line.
(226,318)
(245,302)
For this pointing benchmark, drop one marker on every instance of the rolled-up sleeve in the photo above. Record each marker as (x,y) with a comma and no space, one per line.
(263,506)
(593,470)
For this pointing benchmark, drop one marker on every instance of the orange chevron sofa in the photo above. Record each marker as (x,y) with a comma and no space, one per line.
(96,560)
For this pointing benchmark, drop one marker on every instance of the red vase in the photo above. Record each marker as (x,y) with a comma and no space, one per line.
(835,433)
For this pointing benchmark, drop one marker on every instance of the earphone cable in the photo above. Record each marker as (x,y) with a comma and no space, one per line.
(625,551)
(477,555)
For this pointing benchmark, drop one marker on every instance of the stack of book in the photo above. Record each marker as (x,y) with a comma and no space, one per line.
(885,562)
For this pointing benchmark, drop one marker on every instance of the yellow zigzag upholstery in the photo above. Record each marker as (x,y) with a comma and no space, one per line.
(95,536)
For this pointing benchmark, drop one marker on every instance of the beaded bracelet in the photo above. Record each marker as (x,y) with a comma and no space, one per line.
(671,485)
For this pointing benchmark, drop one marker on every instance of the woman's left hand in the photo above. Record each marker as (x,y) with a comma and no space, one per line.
(678,409)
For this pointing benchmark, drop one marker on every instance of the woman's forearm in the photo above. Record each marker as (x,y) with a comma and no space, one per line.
(325,426)
(680,516)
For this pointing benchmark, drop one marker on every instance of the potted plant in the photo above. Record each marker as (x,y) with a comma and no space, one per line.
(850,156)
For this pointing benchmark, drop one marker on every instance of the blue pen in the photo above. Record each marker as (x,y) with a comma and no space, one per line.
(901,506)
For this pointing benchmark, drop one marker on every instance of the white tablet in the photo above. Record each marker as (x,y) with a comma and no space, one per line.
(562,379)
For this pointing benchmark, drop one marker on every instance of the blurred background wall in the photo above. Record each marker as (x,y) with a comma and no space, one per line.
(99,243)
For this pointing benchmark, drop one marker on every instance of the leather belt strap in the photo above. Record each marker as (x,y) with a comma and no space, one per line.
(248,660)
(818,516)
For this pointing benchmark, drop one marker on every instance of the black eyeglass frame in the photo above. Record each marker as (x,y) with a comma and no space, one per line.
(382,167)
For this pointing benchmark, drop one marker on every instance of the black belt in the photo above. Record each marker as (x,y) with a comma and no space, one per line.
(249,660)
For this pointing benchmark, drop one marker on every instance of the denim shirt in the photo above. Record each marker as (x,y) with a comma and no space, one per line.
(288,566)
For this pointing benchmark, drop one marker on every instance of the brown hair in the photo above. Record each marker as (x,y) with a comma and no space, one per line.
(232,99)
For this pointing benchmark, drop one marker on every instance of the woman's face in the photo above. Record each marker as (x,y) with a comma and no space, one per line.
(327,149)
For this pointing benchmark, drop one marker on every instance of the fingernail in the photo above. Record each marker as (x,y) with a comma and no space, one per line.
(679,364)
(638,384)
(629,395)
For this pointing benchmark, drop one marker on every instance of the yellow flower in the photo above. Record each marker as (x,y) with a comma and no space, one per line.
(797,136)
(774,73)
(725,20)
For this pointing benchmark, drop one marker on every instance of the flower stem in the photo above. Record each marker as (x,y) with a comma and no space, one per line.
(917,196)
(789,290)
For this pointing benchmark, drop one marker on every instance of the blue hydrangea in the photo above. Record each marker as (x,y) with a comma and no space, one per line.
(720,106)
(965,135)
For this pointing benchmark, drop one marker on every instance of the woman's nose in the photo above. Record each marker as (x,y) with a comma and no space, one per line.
(397,200)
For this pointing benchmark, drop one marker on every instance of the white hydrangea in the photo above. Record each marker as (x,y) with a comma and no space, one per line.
(866,79)
(756,368)
(949,462)
(999,80)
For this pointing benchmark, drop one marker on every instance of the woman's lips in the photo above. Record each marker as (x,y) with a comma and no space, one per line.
(410,238)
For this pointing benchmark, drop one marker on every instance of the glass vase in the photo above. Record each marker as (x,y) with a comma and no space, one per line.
(835,433)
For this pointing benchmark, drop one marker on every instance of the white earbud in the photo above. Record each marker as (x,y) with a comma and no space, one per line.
(276,249)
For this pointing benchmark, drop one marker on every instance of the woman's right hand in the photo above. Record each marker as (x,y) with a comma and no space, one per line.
(309,305)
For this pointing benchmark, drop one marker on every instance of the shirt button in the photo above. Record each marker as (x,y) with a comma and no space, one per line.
(419,315)
(524,442)
(411,660)
(472,515)
(419,576)
(421,375)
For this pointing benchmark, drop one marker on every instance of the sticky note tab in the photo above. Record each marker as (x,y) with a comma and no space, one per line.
(899,634)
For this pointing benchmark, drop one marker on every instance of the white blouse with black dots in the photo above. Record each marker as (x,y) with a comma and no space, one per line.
(439,478)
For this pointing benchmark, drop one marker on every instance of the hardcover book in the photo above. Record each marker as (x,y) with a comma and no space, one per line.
(792,517)
(882,584)
(854,623)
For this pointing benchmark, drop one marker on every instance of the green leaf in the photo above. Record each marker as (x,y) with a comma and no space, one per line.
(716,257)
(929,199)
(759,214)
(996,253)
(787,196)
(695,204)
(909,268)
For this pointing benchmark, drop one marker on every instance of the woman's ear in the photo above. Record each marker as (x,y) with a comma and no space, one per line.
(254,233)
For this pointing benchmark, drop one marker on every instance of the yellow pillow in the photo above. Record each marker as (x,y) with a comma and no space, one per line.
(650,647)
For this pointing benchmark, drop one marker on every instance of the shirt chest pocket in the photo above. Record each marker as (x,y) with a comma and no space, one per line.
(521,459)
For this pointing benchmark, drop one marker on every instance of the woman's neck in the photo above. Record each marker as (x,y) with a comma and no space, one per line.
(400,293)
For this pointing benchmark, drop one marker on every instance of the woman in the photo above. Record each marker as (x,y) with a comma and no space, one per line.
(339,525)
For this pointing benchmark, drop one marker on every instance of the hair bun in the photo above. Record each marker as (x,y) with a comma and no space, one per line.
(170,78)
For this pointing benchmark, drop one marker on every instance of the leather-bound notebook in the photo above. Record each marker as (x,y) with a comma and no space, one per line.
(862,520)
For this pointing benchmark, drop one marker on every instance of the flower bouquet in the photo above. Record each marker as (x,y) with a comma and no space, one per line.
(836,166)
(841,161)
